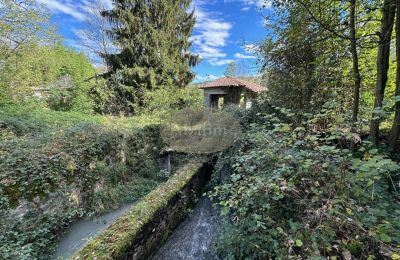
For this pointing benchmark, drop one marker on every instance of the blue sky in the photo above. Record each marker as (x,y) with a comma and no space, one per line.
(226,31)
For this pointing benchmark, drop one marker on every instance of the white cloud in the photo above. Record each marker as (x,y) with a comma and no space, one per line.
(258,3)
(209,53)
(63,7)
(220,62)
(252,3)
(76,9)
(210,30)
(243,56)
(83,11)
(211,35)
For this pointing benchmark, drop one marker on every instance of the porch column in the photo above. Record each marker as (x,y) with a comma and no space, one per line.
(207,100)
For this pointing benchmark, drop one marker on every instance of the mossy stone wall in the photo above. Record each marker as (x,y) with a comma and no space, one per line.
(138,233)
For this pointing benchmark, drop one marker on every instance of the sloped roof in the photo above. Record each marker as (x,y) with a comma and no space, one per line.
(233,82)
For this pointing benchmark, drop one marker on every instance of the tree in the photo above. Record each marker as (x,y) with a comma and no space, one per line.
(385,36)
(94,36)
(339,18)
(303,64)
(356,67)
(231,70)
(21,21)
(23,26)
(395,132)
(58,75)
(153,36)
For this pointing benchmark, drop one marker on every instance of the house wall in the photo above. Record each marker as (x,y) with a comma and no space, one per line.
(248,99)
(232,95)
(212,91)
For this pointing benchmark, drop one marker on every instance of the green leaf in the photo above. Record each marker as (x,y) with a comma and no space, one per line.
(299,243)
(385,237)
(373,151)
(235,177)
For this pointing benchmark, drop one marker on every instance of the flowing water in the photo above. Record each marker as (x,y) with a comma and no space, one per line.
(193,239)
(83,230)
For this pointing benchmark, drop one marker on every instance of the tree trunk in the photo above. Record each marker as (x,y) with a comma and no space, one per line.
(388,13)
(354,54)
(395,133)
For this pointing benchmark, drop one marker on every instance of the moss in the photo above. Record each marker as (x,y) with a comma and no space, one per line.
(115,241)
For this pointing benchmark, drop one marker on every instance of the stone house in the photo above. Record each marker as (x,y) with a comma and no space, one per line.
(230,90)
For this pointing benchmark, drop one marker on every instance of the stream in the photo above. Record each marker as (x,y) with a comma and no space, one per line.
(83,230)
(193,239)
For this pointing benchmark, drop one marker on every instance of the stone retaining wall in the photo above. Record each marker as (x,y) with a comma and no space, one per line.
(141,231)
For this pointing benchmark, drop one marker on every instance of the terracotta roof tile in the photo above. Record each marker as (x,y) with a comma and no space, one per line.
(233,82)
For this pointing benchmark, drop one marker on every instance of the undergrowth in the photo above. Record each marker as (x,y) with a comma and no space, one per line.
(309,188)
(57,167)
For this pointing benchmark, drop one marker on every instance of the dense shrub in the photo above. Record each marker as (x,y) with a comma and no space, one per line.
(51,175)
(167,99)
(297,191)
(61,77)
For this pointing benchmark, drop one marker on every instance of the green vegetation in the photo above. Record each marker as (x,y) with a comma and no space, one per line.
(35,64)
(292,187)
(328,50)
(149,58)
(21,22)
(59,166)
(60,159)
(169,99)
(61,77)
(114,242)
(305,180)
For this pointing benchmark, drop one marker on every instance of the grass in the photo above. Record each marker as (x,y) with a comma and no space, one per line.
(32,119)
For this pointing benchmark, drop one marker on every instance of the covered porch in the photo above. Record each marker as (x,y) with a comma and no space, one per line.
(230,91)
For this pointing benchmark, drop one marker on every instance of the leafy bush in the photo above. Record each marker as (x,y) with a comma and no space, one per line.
(170,98)
(297,191)
(39,69)
(31,120)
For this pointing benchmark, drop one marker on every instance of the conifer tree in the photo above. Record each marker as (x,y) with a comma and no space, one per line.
(153,38)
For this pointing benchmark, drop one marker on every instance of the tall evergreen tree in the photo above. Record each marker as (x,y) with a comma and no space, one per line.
(153,37)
